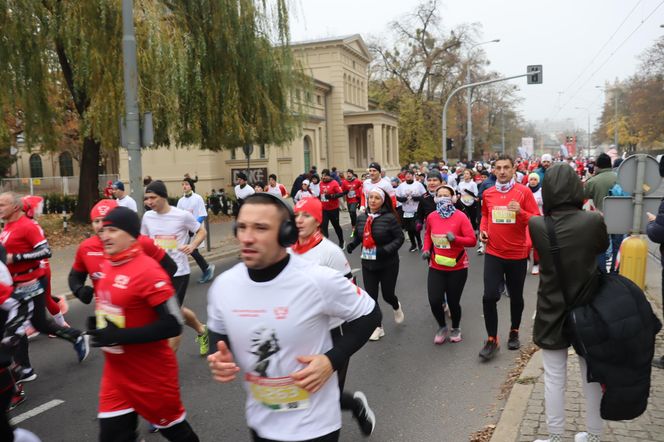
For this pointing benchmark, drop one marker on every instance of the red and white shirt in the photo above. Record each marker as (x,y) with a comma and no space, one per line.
(384,184)
(278,190)
(90,256)
(22,236)
(137,377)
(326,189)
(354,189)
(507,229)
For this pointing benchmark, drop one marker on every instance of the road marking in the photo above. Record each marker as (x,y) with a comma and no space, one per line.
(35,411)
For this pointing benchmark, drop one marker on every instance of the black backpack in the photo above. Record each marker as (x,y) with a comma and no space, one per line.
(614,329)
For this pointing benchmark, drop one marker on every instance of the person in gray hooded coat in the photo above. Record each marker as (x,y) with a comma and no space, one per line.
(581,237)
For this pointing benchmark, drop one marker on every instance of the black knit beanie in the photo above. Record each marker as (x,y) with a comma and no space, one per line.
(125,219)
(603,161)
(158,188)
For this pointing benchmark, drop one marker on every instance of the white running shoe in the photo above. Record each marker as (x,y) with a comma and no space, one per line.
(552,438)
(586,437)
(398,315)
(480,249)
(535,270)
(377,334)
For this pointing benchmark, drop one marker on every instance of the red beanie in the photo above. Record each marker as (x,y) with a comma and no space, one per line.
(312,206)
(102,208)
(33,205)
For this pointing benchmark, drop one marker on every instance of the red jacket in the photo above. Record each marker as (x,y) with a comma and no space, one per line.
(507,230)
(435,239)
(327,191)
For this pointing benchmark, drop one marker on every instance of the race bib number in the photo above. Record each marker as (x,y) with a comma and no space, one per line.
(369,254)
(502,215)
(408,215)
(115,314)
(277,394)
(166,242)
(441,241)
(351,194)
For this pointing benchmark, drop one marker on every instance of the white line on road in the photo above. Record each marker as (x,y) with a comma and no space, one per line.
(35,411)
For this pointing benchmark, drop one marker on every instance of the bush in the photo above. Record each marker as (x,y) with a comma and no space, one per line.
(57,203)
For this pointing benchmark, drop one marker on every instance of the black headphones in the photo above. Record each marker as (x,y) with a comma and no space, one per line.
(287,230)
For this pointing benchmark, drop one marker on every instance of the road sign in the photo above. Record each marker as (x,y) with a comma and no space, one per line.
(537,77)
(627,175)
(248,149)
(254,175)
(619,213)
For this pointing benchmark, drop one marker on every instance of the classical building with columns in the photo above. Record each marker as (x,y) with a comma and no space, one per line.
(341,127)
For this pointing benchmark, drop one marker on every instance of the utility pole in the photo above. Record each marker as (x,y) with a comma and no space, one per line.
(502,129)
(469,114)
(132,123)
(615,117)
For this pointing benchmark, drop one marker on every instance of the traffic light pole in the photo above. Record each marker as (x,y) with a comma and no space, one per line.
(466,86)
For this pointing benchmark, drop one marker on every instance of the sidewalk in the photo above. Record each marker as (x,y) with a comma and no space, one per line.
(222,245)
(523,419)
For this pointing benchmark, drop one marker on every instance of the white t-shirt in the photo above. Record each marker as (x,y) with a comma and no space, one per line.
(269,325)
(242,193)
(301,194)
(466,199)
(128,202)
(278,190)
(410,190)
(383,184)
(193,204)
(315,189)
(170,230)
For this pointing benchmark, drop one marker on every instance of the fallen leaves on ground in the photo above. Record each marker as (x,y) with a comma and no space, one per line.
(56,235)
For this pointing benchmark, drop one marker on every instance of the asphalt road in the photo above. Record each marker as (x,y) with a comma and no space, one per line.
(419,392)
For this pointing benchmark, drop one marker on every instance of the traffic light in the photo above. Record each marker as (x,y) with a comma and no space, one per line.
(449,143)
(535,78)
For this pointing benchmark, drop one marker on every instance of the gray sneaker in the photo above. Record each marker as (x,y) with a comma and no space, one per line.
(440,336)
(455,335)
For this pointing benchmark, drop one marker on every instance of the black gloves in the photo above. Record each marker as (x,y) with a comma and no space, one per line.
(350,247)
(450,236)
(426,256)
(107,336)
(85,294)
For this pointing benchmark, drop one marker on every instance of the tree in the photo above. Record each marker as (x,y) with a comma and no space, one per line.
(216,73)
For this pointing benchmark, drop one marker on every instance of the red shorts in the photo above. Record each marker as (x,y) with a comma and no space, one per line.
(159,404)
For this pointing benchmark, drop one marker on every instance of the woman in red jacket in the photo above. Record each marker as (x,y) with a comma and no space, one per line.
(448,233)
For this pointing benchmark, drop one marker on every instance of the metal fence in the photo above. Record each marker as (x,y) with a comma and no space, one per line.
(63,185)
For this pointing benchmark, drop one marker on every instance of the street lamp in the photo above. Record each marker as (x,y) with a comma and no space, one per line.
(588,136)
(469,119)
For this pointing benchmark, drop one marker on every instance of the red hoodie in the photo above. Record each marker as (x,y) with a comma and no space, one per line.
(437,228)
(506,230)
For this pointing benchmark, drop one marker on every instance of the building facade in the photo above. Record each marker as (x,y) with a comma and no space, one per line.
(340,128)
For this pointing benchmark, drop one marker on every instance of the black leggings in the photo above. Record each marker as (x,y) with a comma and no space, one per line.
(409,224)
(346,399)
(331,437)
(386,277)
(333,217)
(352,211)
(6,394)
(450,284)
(202,263)
(471,212)
(123,429)
(513,272)
(180,284)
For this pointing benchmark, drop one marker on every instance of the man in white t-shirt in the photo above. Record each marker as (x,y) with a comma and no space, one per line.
(274,188)
(409,193)
(169,227)
(124,200)
(376,180)
(274,311)
(193,203)
(242,191)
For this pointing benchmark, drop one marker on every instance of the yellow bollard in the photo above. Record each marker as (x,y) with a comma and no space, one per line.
(633,259)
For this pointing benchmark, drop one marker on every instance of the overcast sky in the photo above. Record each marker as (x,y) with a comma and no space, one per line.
(573,39)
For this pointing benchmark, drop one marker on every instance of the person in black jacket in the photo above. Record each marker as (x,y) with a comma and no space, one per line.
(427,204)
(562,193)
(378,231)
(656,234)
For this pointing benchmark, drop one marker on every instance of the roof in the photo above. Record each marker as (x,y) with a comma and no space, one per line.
(353,42)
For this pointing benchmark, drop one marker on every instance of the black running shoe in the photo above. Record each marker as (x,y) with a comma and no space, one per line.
(514,343)
(25,376)
(412,249)
(490,349)
(365,416)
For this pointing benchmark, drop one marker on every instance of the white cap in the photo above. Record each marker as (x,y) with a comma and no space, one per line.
(547,157)
(307,182)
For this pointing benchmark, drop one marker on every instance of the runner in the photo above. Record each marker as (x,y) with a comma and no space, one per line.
(304,192)
(136,312)
(26,246)
(273,311)
(409,193)
(124,200)
(427,204)
(242,191)
(375,180)
(330,192)
(313,246)
(193,203)
(379,232)
(469,197)
(169,227)
(275,188)
(448,233)
(352,188)
(506,209)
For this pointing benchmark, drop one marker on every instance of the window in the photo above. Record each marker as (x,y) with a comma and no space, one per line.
(233,154)
(262,151)
(319,100)
(36,170)
(353,64)
(308,97)
(66,164)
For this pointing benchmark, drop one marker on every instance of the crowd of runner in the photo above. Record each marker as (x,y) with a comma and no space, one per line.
(289,316)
